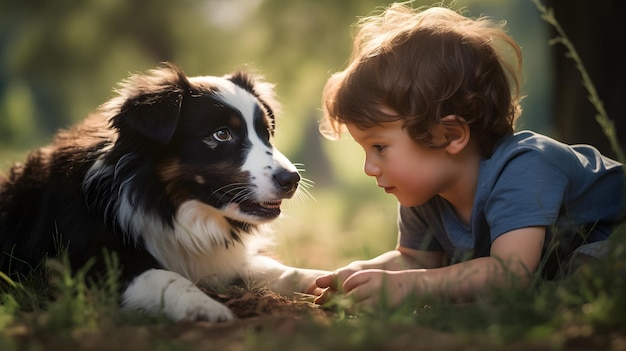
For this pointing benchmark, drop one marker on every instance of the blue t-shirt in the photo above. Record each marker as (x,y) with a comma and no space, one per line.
(530,180)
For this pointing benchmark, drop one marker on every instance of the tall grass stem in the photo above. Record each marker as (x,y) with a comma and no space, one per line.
(606,124)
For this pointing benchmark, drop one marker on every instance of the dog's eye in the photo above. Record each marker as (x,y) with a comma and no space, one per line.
(219,136)
(222,135)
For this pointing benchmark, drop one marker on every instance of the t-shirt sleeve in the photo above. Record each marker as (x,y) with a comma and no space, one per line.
(416,228)
(528,192)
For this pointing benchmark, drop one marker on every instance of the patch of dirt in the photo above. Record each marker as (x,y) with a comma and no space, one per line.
(262,317)
(260,302)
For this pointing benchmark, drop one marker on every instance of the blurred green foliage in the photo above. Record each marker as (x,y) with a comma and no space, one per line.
(60,59)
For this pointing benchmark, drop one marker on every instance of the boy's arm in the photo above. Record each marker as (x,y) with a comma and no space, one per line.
(402,258)
(514,257)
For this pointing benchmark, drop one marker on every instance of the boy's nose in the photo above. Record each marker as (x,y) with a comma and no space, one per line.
(371,169)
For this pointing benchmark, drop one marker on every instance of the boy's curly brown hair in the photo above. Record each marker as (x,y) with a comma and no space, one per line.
(426,64)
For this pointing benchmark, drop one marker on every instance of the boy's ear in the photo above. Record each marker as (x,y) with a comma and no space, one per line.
(457,133)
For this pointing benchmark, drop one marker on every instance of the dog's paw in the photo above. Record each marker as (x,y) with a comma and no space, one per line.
(211,311)
(160,291)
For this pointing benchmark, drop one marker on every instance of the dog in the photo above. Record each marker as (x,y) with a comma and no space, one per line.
(177,176)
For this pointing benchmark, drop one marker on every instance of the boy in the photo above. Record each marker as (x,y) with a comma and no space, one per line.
(432,99)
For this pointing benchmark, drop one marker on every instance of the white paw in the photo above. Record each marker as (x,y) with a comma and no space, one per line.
(209,311)
(160,291)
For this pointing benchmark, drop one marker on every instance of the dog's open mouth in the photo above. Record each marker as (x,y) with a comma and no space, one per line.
(267,209)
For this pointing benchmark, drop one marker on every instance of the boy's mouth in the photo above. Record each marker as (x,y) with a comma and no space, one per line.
(388,189)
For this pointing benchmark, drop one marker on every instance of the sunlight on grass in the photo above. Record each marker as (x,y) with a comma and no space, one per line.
(8,308)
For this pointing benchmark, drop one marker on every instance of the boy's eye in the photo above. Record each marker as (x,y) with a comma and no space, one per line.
(379,148)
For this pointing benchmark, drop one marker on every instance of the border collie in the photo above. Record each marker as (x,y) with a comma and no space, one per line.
(177,176)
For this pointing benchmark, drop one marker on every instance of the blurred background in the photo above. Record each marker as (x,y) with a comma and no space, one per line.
(60,59)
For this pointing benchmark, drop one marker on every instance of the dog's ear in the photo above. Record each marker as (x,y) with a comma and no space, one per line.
(150,104)
(154,116)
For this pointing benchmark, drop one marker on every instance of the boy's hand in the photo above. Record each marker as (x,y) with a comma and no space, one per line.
(332,283)
(328,287)
(367,288)
(313,289)
(374,287)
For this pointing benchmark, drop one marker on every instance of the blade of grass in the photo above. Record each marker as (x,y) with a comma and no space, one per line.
(606,124)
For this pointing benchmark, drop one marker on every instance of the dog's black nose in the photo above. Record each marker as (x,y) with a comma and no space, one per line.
(287,181)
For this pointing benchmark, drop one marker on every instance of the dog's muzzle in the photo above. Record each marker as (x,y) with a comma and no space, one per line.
(285,182)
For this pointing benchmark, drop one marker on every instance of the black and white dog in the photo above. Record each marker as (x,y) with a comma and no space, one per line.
(177,175)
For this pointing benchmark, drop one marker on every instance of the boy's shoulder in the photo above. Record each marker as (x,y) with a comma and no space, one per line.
(520,147)
(536,145)
(528,151)
(527,140)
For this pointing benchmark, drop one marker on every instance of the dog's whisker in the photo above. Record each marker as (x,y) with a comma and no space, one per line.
(243,195)
(304,194)
(229,185)
(306,183)
(233,190)
(228,188)
(225,193)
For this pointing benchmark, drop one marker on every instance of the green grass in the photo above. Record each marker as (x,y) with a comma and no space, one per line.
(589,307)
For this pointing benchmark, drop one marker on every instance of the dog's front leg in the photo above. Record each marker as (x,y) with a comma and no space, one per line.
(161,291)
(280,278)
